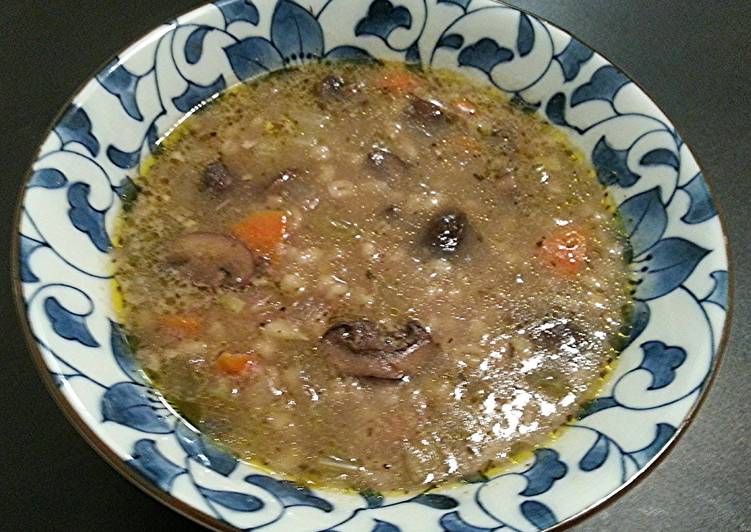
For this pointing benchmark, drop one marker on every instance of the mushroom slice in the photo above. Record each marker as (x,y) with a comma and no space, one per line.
(212,260)
(386,165)
(446,232)
(361,348)
(217,178)
(428,116)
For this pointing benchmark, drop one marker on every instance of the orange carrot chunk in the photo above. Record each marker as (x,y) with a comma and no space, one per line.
(262,232)
(180,325)
(398,81)
(565,251)
(236,363)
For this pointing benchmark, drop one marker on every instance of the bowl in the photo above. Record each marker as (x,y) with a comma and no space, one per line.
(81,179)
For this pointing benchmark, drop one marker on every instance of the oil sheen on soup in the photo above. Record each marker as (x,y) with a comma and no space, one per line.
(372,277)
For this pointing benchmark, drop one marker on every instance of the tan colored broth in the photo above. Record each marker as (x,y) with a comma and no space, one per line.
(517,343)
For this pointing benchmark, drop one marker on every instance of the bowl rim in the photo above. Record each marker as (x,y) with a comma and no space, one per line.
(193,513)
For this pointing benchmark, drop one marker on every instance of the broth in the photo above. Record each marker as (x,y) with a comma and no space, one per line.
(371,277)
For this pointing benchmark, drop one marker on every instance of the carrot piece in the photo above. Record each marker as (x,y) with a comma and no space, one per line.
(398,81)
(180,325)
(236,363)
(262,232)
(565,250)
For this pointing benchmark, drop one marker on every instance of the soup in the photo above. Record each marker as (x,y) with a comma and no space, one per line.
(371,277)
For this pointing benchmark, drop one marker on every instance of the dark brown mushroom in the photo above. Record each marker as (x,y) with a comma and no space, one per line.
(426,115)
(217,178)
(212,260)
(361,348)
(385,164)
(446,232)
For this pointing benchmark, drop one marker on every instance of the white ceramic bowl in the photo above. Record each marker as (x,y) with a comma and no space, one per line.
(83,170)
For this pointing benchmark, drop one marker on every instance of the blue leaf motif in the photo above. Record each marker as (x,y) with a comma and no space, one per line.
(663,435)
(289,493)
(151,464)
(596,405)
(240,502)
(382,19)
(452,522)
(47,178)
(719,294)
(349,53)
(123,353)
(701,207)
(434,500)
(525,39)
(555,110)
(295,32)
(660,156)
(27,247)
(194,44)
(152,136)
(413,55)
(640,320)
(235,10)
(86,218)
(596,455)
(122,84)
(373,499)
(645,219)
(611,165)
(572,58)
(454,41)
(525,106)
(538,514)
(123,159)
(134,406)
(546,469)
(67,324)
(383,526)
(485,55)
(203,451)
(667,265)
(604,85)
(461,3)
(75,126)
(661,361)
(252,57)
(128,193)
(195,94)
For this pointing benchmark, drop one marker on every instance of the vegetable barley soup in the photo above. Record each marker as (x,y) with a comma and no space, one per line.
(370,277)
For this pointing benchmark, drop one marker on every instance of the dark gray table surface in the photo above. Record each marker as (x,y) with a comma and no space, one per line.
(693,57)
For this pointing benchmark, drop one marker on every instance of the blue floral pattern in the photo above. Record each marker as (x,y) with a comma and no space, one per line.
(83,177)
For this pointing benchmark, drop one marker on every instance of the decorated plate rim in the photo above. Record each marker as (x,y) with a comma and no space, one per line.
(200,517)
